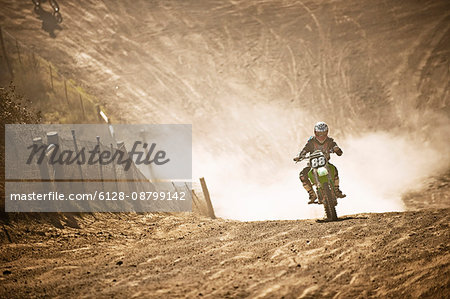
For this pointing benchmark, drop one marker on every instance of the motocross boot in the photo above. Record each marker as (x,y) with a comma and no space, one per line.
(338,191)
(308,187)
(312,196)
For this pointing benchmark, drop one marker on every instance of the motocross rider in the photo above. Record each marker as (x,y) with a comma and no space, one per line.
(327,145)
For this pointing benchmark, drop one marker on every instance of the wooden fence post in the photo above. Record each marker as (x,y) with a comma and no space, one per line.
(114,169)
(195,200)
(128,174)
(18,53)
(132,184)
(207,198)
(99,116)
(5,55)
(82,107)
(80,171)
(188,190)
(34,63)
(51,76)
(100,163)
(191,195)
(65,92)
(43,168)
(53,138)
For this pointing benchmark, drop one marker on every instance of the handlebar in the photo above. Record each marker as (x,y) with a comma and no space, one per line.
(299,158)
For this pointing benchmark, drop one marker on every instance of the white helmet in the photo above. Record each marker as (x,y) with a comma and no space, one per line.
(321,131)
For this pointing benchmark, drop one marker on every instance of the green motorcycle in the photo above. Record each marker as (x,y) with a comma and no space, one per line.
(321,176)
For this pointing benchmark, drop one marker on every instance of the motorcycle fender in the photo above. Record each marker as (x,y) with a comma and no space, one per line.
(322,179)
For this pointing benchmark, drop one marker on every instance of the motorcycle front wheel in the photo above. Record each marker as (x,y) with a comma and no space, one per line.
(54,5)
(330,209)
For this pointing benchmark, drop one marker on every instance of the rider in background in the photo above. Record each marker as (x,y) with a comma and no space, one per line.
(55,6)
(320,141)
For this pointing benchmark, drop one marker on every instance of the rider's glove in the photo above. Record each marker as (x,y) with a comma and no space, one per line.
(299,158)
(337,150)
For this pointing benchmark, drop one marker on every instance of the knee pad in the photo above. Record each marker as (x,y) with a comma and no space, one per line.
(302,177)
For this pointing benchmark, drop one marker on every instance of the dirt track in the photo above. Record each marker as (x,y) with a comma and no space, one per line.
(394,255)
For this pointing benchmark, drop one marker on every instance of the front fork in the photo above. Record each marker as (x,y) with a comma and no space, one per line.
(317,184)
(319,191)
(331,181)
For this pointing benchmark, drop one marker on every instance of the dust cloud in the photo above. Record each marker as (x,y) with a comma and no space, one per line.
(379,167)
(246,157)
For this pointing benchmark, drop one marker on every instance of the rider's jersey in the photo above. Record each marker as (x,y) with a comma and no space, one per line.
(313,144)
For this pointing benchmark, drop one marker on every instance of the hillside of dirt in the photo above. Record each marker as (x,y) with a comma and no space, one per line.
(198,57)
(434,194)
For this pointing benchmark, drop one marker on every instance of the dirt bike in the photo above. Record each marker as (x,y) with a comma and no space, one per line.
(321,176)
(53,4)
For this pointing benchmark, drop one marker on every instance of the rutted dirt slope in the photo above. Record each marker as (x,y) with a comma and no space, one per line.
(394,255)
(186,61)
(435,194)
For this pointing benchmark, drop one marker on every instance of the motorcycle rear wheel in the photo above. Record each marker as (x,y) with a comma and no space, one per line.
(58,17)
(330,209)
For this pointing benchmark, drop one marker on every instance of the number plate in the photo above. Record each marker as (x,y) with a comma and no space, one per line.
(318,162)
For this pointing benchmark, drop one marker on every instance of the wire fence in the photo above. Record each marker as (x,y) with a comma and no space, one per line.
(59,99)
(62,100)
